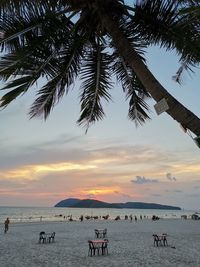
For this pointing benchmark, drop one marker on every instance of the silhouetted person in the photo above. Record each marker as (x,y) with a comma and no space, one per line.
(131,218)
(135,218)
(6,224)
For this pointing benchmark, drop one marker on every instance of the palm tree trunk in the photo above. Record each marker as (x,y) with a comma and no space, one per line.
(176,110)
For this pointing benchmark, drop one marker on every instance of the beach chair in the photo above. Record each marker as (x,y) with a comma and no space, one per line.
(42,237)
(104,233)
(105,247)
(97,233)
(92,248)
(164,239)
(156,240)
(52,237)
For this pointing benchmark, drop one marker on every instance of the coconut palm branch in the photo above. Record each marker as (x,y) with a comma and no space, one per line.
(161,24)
(191,12)
(134,90)
(53,91)
(96,73)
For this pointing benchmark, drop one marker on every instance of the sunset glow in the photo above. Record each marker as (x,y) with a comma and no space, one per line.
(32,172)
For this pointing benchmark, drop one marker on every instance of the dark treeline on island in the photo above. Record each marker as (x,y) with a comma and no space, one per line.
(91,203)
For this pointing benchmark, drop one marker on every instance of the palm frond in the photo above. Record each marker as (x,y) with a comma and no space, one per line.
(96,75)
(134,89)
(160,23)
(44,24)
(39,56)
(137,109)
(186,65)
(19,7)
(20,86)
(69,67)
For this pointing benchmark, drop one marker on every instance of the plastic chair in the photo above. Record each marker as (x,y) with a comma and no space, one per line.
(42,237)
(52,237)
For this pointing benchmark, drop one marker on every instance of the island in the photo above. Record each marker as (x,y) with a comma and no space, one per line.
(92,203)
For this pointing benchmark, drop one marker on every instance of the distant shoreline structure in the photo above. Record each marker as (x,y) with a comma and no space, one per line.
(92,203)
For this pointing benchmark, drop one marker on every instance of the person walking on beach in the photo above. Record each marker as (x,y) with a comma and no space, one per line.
(6,223)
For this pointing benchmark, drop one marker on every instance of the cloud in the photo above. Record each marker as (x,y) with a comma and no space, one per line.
(82,166)
(143,180)
(170,177)
(36,171)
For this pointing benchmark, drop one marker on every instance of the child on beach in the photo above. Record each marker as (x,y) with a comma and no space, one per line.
(6,223)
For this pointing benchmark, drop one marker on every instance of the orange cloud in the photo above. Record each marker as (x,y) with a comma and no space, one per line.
(100,191)
(31,172)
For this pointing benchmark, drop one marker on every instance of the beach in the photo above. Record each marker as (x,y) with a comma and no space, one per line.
(130,243)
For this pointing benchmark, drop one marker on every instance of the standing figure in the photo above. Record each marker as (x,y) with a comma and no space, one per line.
(135,218)
(131,218)
(6,223)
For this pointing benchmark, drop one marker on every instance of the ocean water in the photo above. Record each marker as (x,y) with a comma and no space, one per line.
(36,214)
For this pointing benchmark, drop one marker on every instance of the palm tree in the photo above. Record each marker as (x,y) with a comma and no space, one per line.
(94,40)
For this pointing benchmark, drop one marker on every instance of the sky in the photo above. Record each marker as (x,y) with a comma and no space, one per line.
(43,162)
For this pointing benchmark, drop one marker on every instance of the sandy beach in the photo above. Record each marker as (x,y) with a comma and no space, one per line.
(130,244)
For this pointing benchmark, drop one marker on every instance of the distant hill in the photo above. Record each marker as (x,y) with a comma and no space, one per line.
(67,202)
(142,205)
(92,203)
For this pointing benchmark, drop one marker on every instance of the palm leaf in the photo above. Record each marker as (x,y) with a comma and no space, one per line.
(20,86)
(96,75)
(134,90)
(69,66)
(160,22)
(37,57)
(20,31)
(138,108)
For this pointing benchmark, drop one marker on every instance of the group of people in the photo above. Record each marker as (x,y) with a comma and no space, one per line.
(135,217)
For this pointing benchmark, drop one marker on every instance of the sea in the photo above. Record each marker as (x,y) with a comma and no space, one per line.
(38,214)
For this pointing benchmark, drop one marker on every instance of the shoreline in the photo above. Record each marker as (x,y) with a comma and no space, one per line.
(76,218)
(62,214)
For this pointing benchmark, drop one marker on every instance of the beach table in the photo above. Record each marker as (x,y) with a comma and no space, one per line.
(100,233)
(98,247)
